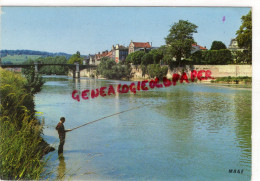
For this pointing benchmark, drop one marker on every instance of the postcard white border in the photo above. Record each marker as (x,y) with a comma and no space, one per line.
(255,4)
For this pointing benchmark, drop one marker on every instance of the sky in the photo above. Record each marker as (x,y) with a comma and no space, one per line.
(95,29)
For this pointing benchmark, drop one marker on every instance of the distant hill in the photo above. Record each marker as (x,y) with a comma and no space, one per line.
(20,56)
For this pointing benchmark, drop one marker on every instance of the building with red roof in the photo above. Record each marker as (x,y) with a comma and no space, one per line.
(133,46)
(196,47)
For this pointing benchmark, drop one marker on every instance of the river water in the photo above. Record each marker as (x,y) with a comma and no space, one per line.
(185,132)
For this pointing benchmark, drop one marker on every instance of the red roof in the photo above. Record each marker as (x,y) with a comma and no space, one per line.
(142,45)
(201,48)
(109,54)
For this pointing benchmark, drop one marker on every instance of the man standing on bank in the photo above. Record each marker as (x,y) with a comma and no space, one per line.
(62,134)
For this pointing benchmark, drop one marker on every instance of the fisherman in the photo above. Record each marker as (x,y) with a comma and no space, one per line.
(62,133)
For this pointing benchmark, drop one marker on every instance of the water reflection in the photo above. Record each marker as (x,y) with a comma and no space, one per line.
(61,168)
(192,132)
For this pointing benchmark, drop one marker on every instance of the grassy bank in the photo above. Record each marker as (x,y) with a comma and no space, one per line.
(21,148)
(233,80)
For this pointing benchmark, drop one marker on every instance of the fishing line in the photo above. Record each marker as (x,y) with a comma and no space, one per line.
(107,117)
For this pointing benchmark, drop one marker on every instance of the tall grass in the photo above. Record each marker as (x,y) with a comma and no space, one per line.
(21,152)
(237,80)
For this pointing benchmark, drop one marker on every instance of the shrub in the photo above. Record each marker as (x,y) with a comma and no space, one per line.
(20,152)
(218,57)
(155,70)
(110,70)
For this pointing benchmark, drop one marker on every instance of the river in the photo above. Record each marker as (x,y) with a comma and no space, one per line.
(184,132)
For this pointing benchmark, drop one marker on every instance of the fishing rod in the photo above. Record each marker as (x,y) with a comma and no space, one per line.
(107,117)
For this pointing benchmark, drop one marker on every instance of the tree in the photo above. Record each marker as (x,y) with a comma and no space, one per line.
(157,55)
(109,69)
(34,81)
(218,45)
(180,39)
(155,70)
(75,58)
(147,59)
(129,58)
(137,57)
(244,35)
(218,57)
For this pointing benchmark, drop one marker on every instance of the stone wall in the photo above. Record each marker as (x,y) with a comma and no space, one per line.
(85,72)
(216,70)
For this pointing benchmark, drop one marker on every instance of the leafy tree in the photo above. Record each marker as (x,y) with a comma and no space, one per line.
(242,57)
(54,69)
(34,81)
(109,69)
(218,45)
(75,58)
(198,57)
(244,35)
(180,39)
(137,57)
(157,55)
(129,58)
(147,59)
(155,70)
(218,57)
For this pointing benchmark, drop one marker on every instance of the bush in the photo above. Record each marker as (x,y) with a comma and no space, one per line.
(110,70)
(236,80)
(137,57)
(217,57)
(20,153)
(155,70)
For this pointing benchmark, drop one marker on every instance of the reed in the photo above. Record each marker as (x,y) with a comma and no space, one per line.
(21,156)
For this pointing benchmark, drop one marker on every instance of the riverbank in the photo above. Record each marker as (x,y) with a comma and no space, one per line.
(233,80)
(22,147)
(217,71)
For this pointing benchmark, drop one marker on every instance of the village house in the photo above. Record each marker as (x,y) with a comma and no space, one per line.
(233,47)
(137,46)
(96,59)
(196,47)
(119,53)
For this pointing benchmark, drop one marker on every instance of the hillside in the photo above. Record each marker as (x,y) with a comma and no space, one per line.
(20,56)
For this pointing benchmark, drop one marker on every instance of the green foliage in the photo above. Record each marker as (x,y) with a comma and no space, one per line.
(20,156)
(147,59)
(180,39)
(75,58)
(19,59)
(14,96)
(137,57)
(155,70)
(237,80)
(197,57)
(129,58)
(244,36)
(157,55)
(218,57)
(242,57)
(110,70)
(58,70)
(34,81)
(218,45)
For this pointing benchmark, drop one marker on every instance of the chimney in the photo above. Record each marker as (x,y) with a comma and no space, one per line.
(152,44)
